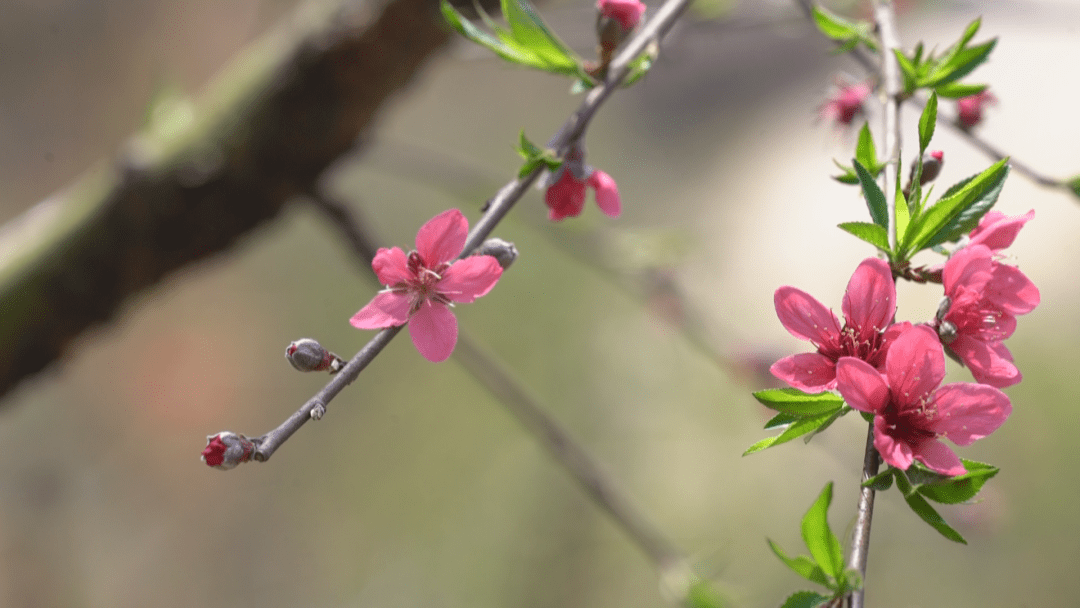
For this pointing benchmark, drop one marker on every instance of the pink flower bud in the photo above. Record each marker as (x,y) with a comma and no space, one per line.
(226,450)
(626,13)
(969,110)
(845,104)
(307,355)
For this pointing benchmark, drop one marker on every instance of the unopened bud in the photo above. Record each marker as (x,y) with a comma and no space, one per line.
(931,166)
(307,355)
(943,308)
(503,252)
(226,450)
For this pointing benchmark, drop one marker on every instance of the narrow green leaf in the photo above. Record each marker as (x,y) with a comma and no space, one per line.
(927,122)
(875,198)
(871,233)
(961,488)
(865,152)
(828,422)
(909,71)
(956,90)
(798,428)
(781,419)
(806,599)
(880,482)
(923,509)
(962,64)
(834,26)
(943,222)
(703,594)
(803,566)
(794,401)
(531,32)
(823,545)
(1074,185)
(970,31)
(466,28)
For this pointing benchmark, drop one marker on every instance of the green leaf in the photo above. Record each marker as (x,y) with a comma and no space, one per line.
(1074,185)
(479,36)
(961,65)
(798,428)
(875,198)
(956,213)
(871,233)
(880,482)
(927,122)
(923,509)
(823,545)
(703,594)
(956,90)
(781,419)
(834,26)
(865,152)
(908,70)
(806,599)
(531,32)
(803,566)
(794,401)
(961,488)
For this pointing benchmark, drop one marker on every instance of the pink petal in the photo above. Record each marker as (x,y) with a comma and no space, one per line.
(861,386)
(970,267)
(805,317)
(386,309)
(915,365)
(964,411)
(997,230)
(893,451)
(1012,290)
(626,12)
(870,299)
(989,362)
(433,329)
(939,457)
(808,372)
(566,197)
(442,238)
(391,266)
(607,193)
(469,278)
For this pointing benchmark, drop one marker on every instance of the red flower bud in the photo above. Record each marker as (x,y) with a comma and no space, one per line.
(226,450)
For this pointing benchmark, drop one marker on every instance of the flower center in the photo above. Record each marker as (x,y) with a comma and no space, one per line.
(421,287)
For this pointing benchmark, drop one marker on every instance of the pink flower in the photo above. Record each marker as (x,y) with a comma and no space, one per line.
(869,305)
(226,450)
(626,12)
(566,197)
(983,299)
(969,109)
(845,104)
(911,412)
(997,230)
(422,285)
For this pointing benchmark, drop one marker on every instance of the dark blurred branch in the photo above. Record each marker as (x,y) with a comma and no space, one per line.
(291,105)
(496,209)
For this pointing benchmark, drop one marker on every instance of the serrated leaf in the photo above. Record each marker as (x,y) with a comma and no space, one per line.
(806,599)
(944,221)
(823,545)
(833,26)
(956,90)
(871,233)
(927,122)
(803,566)
(865,152)
(794,401)
(927,513)
(875,198)
(798,428)
(961,488)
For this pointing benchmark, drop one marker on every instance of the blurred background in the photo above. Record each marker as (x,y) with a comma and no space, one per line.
(418,488)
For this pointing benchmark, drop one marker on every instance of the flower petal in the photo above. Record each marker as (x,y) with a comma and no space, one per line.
(990,362)
(964,411)
(386,309)
(1012,290)
(870,299)
(997,230)
(970,267)
(442,238)
(939,457)
(892,450)
(565,198)
(469,278)
(607,192)
(805,317)
(861,386)
(391,266)
(809,372)
(434,331)
(915,365)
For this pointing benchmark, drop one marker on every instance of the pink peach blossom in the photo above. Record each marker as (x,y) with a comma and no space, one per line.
(626,12)
(911,412)
(847,103)
(997,230)
(421,286)
(869,305)
(969,110)
(566,197)
(984,298)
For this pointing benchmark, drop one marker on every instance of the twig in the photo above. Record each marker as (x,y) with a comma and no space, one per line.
(497,208)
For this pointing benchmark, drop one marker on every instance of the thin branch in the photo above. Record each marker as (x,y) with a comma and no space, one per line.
(893,84)
(497,208)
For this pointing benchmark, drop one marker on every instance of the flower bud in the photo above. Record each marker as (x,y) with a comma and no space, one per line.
(616,19)
(931,166)
(307,355)
(969,109)
(505,253)
(226,450)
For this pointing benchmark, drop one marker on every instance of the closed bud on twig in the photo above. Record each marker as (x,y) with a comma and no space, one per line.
(226,450)
(931,162)
(615,19)
(503,252)
(307,355)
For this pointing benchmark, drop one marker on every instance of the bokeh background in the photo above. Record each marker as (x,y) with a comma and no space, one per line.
(418,488)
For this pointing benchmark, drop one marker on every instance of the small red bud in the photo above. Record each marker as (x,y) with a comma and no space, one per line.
(226,450)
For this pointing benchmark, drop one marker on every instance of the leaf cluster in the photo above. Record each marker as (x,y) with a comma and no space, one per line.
(848,33)
(799,413)
(939,73)
(535,157)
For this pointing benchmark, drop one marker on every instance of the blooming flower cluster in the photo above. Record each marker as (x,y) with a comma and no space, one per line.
(894,370)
